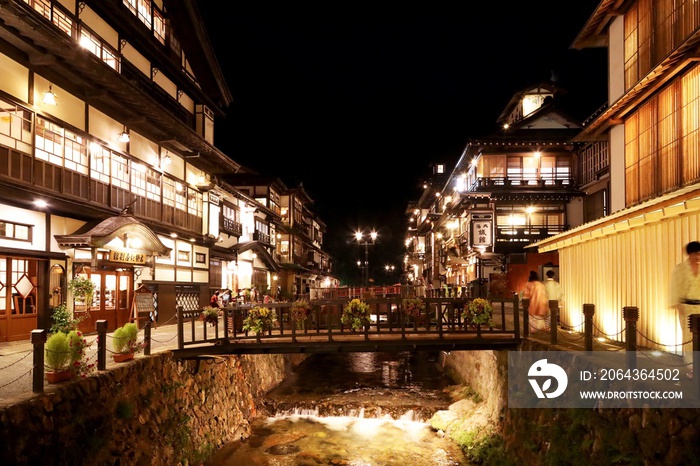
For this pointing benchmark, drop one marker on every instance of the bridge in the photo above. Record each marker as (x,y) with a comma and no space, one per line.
(440,327)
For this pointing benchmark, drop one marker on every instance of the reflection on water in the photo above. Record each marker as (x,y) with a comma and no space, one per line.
(324,374)
(373,406)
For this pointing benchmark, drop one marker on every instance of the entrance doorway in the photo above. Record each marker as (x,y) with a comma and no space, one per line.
(111,300)
(18,297)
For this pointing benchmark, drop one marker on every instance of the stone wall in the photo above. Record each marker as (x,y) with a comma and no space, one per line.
(154,410)
(575,436)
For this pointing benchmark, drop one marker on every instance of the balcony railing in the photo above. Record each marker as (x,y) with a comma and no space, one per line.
(262,237)
(232,227)
(521,183)
(531,233)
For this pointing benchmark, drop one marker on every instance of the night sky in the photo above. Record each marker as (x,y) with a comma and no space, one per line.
(357,107)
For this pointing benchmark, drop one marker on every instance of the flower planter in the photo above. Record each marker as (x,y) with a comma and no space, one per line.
(58,376)
(122,357)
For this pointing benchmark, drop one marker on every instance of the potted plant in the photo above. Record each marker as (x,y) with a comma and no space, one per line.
(356,314)
(83,289)
(209,315)
(413,310)
(57,357)
(65,356)
(259,320)
(63,320)
(79,362)
(124,342)
(300,311)
(478,312)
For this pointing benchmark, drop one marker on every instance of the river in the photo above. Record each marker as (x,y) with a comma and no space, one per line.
(355,409)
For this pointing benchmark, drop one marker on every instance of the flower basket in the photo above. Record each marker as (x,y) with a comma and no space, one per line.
(122,357)
(300,311)
(66,352)
(82,289)
(413,309)
(356,314)
(260,320)
(59,376)
(210,315)
(478,312)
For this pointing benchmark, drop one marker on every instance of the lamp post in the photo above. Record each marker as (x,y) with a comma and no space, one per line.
(366,242)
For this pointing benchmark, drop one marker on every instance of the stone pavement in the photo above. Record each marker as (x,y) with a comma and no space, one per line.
(16,361)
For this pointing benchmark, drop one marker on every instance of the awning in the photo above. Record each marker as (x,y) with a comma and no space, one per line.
(125,228)
(259,249)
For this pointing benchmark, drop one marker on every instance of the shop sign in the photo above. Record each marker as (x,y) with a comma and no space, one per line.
(127,257)
(482,233)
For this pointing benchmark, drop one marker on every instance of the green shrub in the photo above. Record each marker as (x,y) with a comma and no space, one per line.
(124,338)
(58,352)
(63,320)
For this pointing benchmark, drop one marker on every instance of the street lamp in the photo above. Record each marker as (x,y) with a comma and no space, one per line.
(366,242)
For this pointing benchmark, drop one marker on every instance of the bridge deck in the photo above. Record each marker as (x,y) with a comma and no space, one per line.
(442,328)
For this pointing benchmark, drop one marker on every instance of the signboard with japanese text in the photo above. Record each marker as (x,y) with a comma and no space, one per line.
(482,233)
(128,257)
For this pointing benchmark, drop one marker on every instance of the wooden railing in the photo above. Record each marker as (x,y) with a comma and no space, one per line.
(441,319)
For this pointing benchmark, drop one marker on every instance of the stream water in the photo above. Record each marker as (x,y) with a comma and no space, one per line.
(355,409)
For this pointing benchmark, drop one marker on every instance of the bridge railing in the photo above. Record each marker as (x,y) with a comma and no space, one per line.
(442,318)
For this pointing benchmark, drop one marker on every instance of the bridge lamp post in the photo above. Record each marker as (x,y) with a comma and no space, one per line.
(366,241)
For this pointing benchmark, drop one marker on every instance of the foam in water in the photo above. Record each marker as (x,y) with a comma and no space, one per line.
(356,421)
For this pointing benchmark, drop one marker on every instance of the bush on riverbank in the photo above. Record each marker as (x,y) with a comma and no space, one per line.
(468,424)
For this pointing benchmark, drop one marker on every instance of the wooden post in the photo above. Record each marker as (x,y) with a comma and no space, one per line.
(101,327)
(38,339)
(631,316)
(526,317)
(147,338)
(694,324)
(553,319)
(180,327)
(588,313)
(516,316)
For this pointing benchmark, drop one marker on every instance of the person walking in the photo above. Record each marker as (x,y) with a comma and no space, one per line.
(684,296)
(553,288)
(539,304)
(214,301)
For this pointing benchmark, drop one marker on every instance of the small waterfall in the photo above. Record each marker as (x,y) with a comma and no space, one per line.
(314,412)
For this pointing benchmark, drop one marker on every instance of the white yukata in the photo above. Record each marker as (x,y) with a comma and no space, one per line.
(685,286)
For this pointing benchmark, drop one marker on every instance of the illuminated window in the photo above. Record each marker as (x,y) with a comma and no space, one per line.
(120,172)
(99,163)
(15,231)
(15,127)
(49,142)
(95,45)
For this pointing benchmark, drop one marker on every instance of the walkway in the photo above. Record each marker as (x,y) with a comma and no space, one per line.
(16,361)
(16,357)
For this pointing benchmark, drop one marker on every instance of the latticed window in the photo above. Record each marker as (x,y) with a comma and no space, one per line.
(120,172)
(595,158)
(15,127)
(652,29)
(95,45)
(99,163)
(194,203)
(75,155)
(662,141)
(49,142)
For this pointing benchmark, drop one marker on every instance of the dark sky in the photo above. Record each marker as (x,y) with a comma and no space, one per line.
(357,107)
